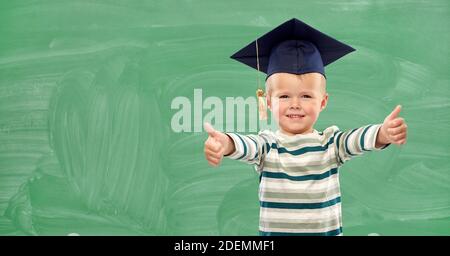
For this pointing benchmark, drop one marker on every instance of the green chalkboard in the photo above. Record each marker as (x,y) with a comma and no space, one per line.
(87,88)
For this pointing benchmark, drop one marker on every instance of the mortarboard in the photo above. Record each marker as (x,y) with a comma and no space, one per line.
(292,47)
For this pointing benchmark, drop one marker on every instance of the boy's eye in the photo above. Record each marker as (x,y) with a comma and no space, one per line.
(306,96)
(284,97)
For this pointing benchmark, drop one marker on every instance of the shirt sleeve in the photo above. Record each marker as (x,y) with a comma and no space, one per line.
(355,142)
(250,149)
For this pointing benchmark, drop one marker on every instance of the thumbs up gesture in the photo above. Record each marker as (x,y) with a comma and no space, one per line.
(217,145)
(393,130)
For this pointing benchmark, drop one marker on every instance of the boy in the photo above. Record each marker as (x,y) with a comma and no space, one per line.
(299,188)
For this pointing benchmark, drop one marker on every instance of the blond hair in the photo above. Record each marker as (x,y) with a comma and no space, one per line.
(300,77)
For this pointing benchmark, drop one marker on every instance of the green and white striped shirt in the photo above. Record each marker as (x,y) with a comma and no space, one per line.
(299,190)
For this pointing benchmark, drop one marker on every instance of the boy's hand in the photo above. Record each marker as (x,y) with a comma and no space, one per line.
(217,145)
(393,130)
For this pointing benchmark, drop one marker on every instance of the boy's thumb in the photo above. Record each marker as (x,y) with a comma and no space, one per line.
(394,113)
(209,129)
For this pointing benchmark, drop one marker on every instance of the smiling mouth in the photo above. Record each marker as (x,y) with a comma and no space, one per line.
(295,116)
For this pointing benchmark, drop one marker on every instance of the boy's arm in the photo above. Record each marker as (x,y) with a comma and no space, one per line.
(371,137)
(246,148)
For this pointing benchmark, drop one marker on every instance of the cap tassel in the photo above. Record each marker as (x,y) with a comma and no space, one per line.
(262,109)
(261,104)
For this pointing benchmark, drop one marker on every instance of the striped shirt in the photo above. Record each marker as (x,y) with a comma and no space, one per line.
(299,189)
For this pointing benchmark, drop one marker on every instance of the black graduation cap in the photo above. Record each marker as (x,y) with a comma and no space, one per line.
(293,47)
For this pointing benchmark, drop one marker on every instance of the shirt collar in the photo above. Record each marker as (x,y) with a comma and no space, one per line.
(282,135)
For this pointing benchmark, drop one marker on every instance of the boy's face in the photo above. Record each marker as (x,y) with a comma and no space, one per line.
(296,101)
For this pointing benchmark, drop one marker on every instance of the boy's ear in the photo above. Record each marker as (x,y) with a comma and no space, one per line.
(324,102)
(269,102)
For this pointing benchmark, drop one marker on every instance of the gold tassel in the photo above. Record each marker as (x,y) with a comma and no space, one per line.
(261,104)
(260,95)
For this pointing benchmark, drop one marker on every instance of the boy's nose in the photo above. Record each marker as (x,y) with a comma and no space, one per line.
(295,104)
